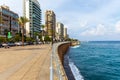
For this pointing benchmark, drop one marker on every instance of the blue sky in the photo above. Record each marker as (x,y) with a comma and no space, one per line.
(85,19)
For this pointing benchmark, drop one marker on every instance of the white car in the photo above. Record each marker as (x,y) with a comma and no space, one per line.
(5,45)
(18,43)
(39,42)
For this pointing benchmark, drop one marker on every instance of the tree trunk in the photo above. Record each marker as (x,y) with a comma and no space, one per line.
(22,36)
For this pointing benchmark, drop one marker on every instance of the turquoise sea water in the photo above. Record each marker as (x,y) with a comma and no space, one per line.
(98,60)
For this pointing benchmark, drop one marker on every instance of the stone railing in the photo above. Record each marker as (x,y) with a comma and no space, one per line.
(57,71)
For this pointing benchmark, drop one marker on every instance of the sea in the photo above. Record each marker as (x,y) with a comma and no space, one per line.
(94,60)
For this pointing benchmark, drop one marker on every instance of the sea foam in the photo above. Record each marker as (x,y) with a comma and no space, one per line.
(76,46)
(75,71)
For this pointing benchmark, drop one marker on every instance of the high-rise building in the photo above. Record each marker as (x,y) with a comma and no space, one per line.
(65,33)
(8,21)
(60,31)
(50,23)
(32,11)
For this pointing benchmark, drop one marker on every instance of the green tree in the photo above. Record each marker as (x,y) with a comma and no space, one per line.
(22,21)
(3,39)
(47,38)
(42,26)
(29,39)
(6,32)
(17,37)
(36,33)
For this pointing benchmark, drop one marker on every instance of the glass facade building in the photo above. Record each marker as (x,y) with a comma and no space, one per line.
(32,11)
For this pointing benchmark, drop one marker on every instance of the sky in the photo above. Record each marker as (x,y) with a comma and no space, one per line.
(86,20)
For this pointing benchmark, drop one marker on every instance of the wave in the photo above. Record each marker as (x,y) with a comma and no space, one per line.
(76,46)
(75,71)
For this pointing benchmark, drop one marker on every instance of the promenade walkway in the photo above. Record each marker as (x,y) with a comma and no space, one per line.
(25,63)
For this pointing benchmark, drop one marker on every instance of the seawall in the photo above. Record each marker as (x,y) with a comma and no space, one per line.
(57,70)
(62,50)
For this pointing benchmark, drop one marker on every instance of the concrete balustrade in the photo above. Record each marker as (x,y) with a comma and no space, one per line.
(57,71)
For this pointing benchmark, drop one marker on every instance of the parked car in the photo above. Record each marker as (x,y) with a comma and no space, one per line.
(30,43)
(18,43)
(40,42)
(1,45)
(11,44)
(25,43)
(5,45)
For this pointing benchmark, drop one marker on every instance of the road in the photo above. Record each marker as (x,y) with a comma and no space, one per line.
(25,63)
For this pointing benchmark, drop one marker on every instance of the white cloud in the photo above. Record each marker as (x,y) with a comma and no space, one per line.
(77,21)
(97,31)
(102,30)
(104,13)
(83,24)
(99,15)
(117,27)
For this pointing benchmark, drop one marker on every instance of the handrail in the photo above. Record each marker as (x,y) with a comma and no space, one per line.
(56,68)
(51,68)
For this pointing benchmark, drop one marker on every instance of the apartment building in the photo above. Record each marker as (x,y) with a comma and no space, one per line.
(8,21)
(32,11)
(50,23)
(60,31)
(65,33)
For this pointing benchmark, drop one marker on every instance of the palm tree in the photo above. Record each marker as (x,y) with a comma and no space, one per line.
(42,26)
(6,32)
(22,21)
